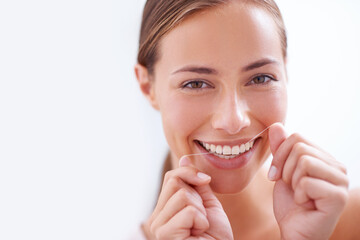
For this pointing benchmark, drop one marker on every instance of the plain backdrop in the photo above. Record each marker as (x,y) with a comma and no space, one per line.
(81,149)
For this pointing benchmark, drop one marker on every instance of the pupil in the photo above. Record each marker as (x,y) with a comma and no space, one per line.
(260,79)
(196,84)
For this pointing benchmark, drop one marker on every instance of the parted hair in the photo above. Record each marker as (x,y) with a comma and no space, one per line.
(161,16)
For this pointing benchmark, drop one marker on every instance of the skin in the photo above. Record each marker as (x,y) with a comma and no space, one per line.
(228,105)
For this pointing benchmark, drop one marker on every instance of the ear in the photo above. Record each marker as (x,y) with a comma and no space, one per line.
(146,84)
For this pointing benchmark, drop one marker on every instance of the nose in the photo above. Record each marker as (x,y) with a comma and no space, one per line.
(231,115)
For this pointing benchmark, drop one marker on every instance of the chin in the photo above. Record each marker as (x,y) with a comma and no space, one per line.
(231,182)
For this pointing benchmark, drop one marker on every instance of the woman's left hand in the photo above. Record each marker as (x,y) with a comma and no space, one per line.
(311,187)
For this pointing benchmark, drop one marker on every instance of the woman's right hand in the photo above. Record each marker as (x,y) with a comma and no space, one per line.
(187,208)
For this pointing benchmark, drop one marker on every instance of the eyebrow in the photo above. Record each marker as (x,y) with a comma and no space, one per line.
(197,69)
(258,64)
(207,70)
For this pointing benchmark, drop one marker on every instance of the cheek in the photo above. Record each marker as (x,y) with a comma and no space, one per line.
(181,116)
(269,107)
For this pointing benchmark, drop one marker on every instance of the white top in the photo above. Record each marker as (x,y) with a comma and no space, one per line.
(138,235)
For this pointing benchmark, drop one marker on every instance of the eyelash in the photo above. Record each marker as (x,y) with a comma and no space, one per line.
(270,78)
(188,83)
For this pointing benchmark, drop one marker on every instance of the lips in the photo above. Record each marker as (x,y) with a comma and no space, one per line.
(227,156)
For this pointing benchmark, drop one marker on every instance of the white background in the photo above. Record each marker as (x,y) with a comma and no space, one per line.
(81,149)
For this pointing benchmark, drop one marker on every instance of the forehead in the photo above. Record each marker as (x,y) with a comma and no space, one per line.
(231,35)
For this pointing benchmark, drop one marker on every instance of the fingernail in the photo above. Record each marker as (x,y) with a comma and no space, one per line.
(272,173)
(203,176)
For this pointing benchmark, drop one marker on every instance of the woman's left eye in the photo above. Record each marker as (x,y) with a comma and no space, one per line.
(261,79)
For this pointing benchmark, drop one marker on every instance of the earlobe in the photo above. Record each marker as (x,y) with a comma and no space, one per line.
(146,84)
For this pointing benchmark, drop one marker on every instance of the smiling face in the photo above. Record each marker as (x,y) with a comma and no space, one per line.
(219,81)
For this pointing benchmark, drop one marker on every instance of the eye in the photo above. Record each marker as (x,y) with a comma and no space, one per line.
(261,79)
(196,84)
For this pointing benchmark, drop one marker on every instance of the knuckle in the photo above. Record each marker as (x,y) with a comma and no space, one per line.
(342,196)
(304,163)
(345,182)
(167,176)
(297,137)
(174,182)
(184,195)
(299,147)
(191,210)
(303,182)
(342,168)
(153,229)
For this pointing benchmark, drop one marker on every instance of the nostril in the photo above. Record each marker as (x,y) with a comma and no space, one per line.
(232,123)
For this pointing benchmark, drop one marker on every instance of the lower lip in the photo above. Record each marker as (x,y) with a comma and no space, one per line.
(233,163)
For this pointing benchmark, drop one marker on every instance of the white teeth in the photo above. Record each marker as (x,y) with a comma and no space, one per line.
(235,150)
(207,146)
(247,146)
(242,148)
(219,149)
(226,150)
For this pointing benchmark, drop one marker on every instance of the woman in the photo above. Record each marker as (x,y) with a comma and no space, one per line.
(216,71)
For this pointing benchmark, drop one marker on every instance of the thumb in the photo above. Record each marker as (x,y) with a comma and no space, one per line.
(277,135)
(185,161)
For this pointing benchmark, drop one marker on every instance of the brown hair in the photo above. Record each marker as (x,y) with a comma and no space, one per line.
(161,16)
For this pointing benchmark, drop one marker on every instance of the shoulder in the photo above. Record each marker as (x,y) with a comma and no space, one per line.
(348,225)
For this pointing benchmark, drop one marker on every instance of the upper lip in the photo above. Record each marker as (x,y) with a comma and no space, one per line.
(228,143)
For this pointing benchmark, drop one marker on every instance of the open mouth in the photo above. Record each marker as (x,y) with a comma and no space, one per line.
(226,151)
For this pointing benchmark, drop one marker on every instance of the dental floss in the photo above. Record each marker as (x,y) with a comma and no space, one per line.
(196,154)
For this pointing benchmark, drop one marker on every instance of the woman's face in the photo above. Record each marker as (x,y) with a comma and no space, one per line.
(219,81)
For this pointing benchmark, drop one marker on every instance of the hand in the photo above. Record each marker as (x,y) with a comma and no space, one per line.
(311,187)
(187,208)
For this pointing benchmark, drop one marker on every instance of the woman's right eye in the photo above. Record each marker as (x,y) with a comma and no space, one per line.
(196,84)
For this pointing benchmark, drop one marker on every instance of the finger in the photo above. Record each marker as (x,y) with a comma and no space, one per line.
(283,152)
(172,185)
(189,221)
(208,197)
(187,174)
(300,150)
(184,161)
(183,177)
(277,136)
(328,197)
(180,200)
(315,168)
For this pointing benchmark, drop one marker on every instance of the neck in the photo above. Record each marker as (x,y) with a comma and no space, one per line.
(251,211)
